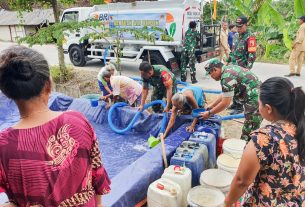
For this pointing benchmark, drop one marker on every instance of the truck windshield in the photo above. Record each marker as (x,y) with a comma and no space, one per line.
(70,16)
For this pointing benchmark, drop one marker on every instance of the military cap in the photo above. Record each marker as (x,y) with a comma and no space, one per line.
(240,21)
(211,64)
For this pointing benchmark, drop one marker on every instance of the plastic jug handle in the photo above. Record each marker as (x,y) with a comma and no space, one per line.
(166,186)
(178,169)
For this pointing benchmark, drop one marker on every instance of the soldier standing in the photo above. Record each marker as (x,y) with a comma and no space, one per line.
(243,52)
(298,50)
(240,83)
(163,81)
(188,52)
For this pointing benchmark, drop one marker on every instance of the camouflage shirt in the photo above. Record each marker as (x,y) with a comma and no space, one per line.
(239,82)
(161,79)
(243,50)
(190,40)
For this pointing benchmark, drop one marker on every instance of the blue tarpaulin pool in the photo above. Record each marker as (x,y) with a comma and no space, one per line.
(131,165)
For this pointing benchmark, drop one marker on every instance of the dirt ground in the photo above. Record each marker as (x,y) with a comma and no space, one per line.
(85,82)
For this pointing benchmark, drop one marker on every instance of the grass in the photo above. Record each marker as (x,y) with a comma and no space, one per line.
(272,60)
(57,75)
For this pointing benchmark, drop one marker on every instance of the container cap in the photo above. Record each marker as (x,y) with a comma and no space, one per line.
(216,178)
(228,161)
(234,144)
(205,197)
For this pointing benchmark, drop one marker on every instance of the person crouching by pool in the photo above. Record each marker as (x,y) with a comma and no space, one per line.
(163,81)
(48,158)
(103,78)
(272,169)
(127,89)
(191,97)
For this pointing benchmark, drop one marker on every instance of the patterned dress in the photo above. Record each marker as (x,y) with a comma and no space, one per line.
(54,164)
(281,180)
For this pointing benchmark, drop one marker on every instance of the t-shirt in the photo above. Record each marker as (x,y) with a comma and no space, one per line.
(101,79)
(54,164)
(198,94)
(230,39)
(126,88)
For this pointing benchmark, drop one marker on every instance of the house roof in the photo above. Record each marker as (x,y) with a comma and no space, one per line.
(36,17)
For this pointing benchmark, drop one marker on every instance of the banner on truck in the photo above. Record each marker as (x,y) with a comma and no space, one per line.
(134,21)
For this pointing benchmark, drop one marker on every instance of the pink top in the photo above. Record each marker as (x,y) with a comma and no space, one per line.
(55,164)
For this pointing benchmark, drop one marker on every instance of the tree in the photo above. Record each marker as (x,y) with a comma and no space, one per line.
(27,5)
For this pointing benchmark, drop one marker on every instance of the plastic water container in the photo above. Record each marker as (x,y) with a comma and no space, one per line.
(190,146)
(192,159)
(93,98)
(220,141)
(202,196)
(164,193)
(228,163)
(208,140)
(234,147)
(216,178)
(209,126)
(182,176)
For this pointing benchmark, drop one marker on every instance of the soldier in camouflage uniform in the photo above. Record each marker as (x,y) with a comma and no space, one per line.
(243,52)
(188,52)
(163,81)
(240,83)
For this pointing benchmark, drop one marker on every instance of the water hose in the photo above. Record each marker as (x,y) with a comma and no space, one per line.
(105,54)
(135,118)
(212,91)
(122,131)
(235,116)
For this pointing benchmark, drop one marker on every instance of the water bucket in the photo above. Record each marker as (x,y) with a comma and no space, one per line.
(164,193)
(93,98)
(196,112)
(202,196)
(216,178)
(182,176)
(153,141)
(228,163)
(234,147)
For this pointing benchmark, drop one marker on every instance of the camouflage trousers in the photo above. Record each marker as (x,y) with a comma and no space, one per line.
(158,94)
(188,58)
(253,119)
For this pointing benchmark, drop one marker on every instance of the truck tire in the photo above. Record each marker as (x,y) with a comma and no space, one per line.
(155,58)
(77,56)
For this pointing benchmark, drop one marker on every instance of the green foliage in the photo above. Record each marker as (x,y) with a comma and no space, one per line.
(287,41)
(57,75)
(267,15)
(299,8)
(273,22)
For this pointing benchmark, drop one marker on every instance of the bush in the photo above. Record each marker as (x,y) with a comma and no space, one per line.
(57,75)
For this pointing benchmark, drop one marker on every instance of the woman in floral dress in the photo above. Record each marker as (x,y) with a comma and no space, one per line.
(272,169)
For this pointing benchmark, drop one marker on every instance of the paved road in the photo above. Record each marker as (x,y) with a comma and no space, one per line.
(263,70)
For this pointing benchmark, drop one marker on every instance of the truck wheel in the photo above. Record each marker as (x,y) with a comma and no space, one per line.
(155,58)
(77,56)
